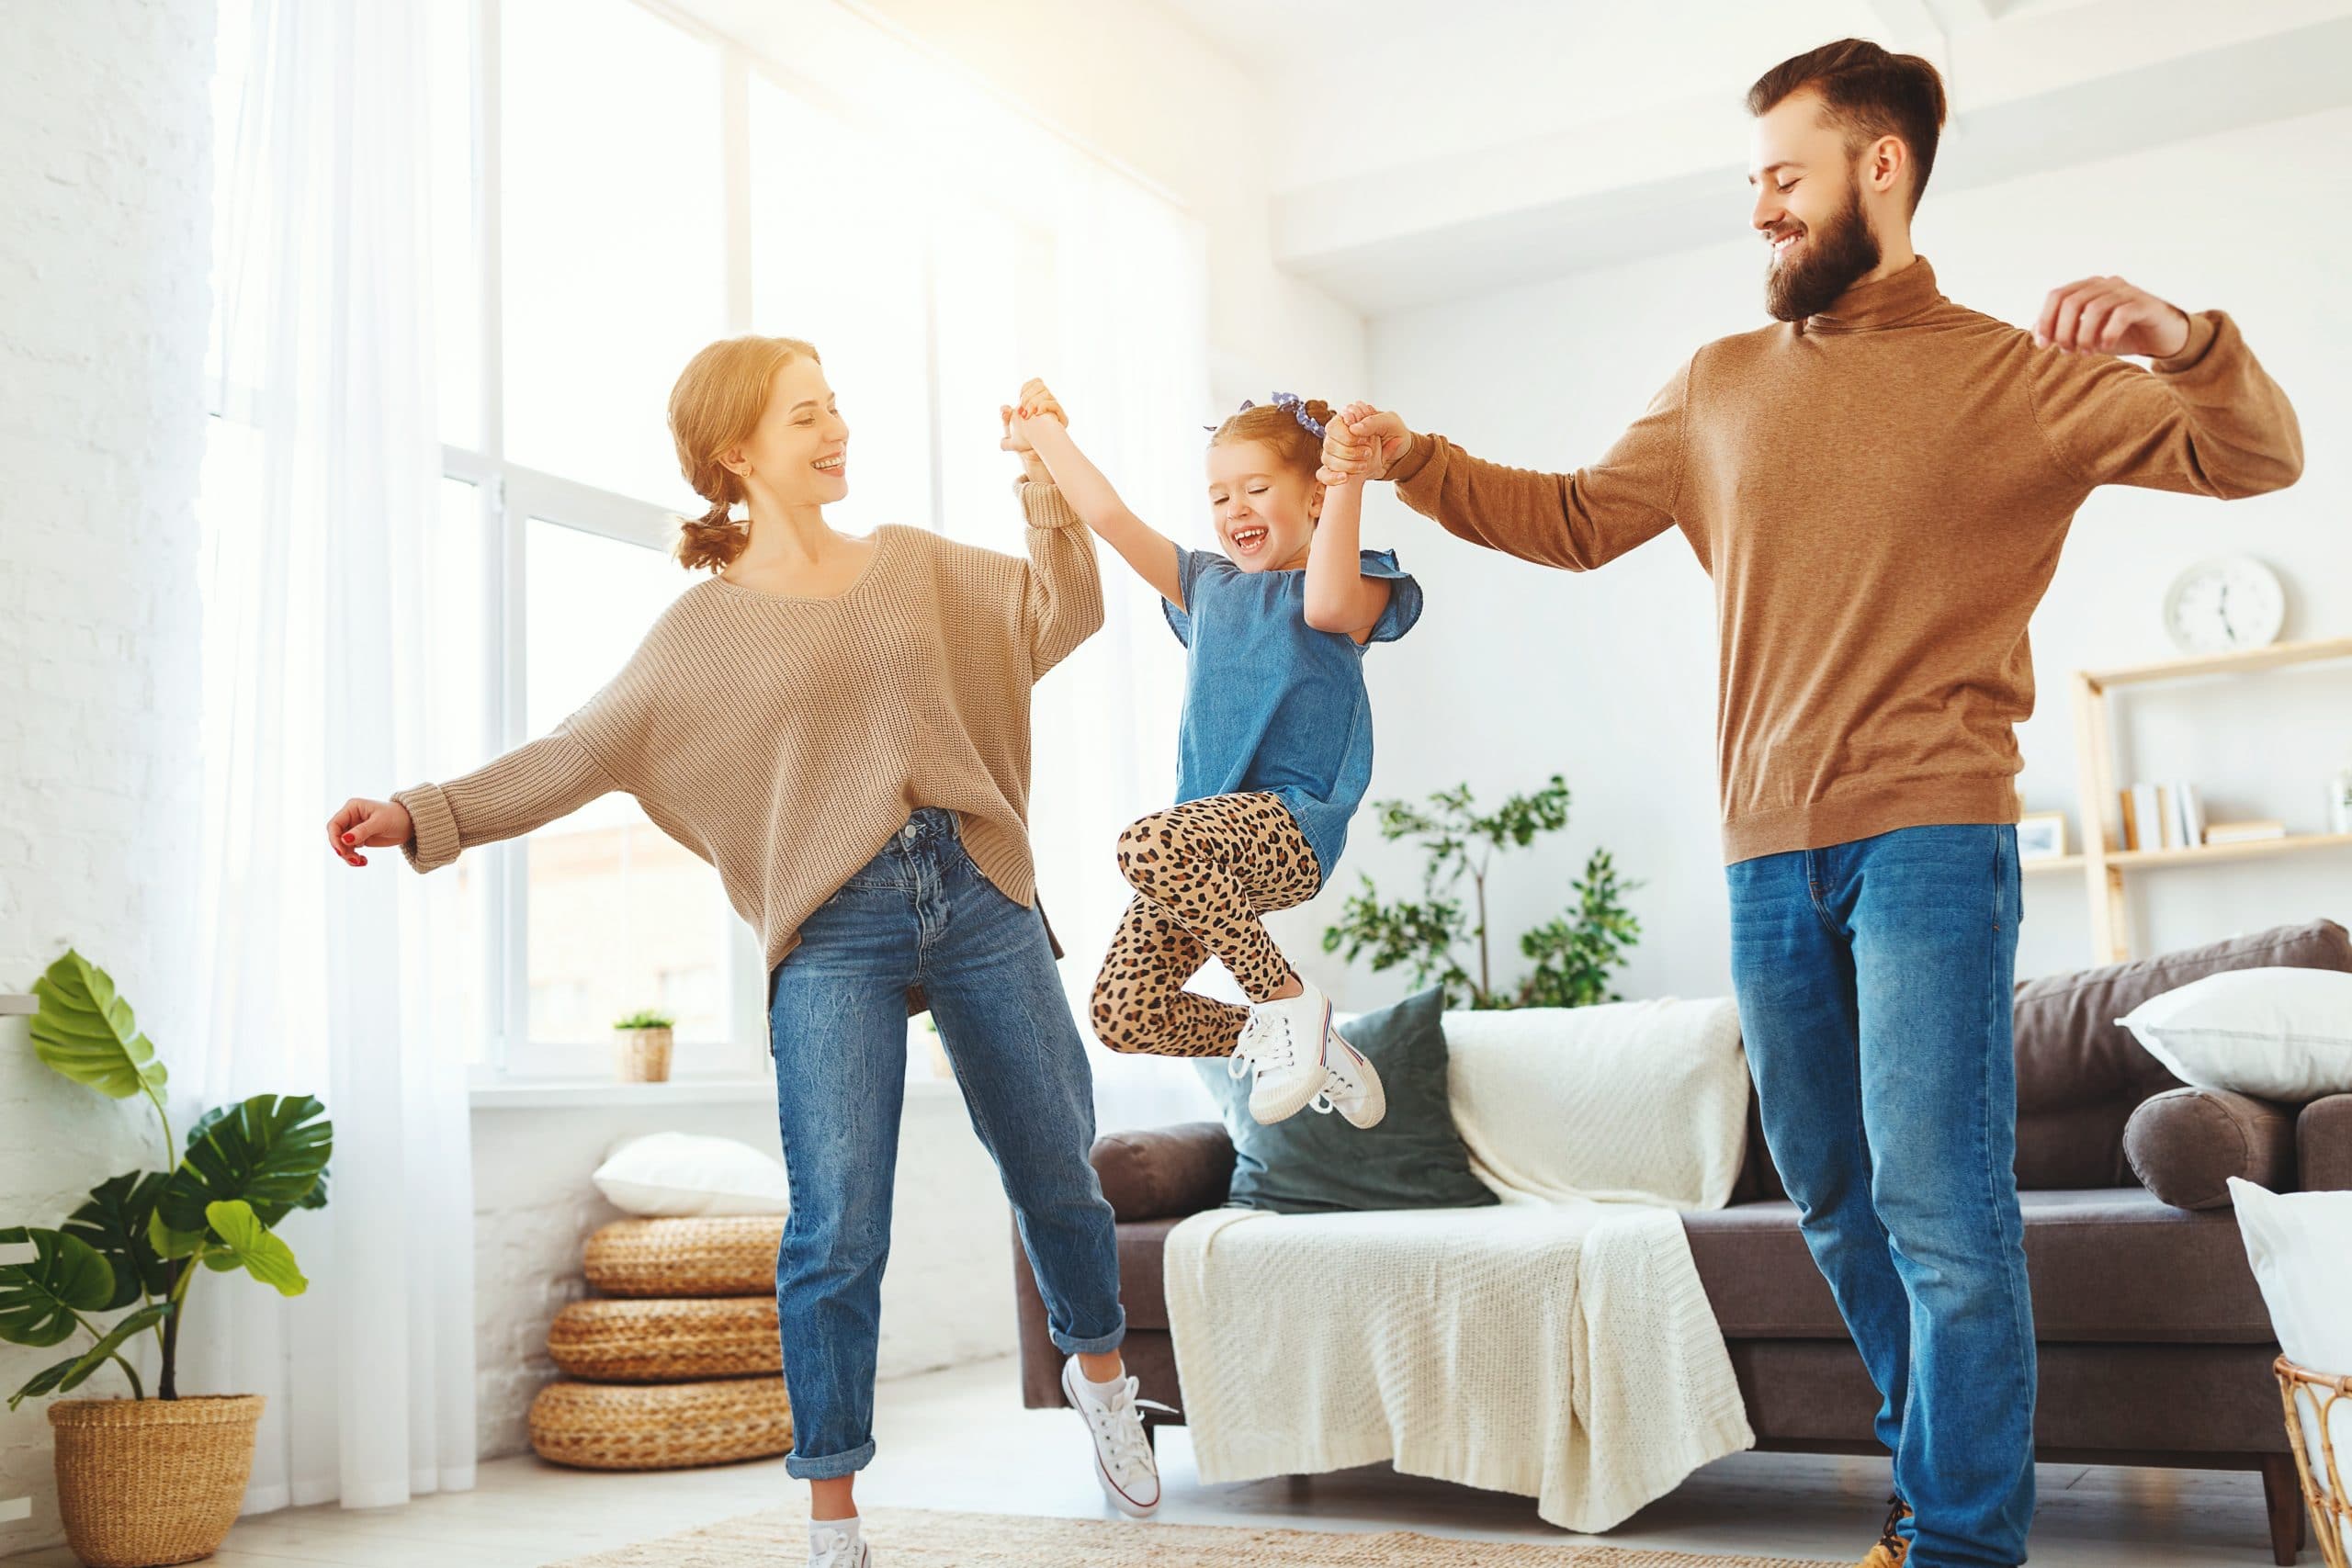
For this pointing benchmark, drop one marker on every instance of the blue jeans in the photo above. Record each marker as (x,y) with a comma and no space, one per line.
(1874,991)
(920,912)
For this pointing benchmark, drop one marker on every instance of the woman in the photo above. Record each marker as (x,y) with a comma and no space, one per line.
(841,727)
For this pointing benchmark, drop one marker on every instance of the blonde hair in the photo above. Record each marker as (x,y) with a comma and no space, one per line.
(1274,425)
(716,405)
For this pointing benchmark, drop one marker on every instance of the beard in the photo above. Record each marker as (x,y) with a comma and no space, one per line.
(1829,259)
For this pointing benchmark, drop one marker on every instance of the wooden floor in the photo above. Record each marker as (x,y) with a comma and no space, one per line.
(959,1440)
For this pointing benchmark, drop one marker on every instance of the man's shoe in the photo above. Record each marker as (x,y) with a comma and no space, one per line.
(1891,1549)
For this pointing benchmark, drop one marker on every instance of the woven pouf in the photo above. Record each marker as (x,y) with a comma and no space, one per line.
(648,1341)
(666,1427)
(732,1255)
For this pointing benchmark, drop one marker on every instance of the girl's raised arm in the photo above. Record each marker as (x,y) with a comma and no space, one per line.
(1340,597)
(1040,424)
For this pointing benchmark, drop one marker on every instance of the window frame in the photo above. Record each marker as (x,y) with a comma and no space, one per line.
(511,495)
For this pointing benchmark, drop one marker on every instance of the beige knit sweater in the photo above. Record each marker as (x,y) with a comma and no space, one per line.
(785,740)
(1879,492)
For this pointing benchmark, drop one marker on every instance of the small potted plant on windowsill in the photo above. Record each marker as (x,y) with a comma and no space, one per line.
(643,1039)
(159,1480)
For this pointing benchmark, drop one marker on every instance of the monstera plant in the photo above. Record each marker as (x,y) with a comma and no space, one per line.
(142,1239)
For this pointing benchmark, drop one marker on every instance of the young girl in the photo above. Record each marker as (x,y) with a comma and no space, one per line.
(841,726)
(1273,754)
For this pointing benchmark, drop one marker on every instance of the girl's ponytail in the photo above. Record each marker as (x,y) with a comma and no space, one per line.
(1290,425)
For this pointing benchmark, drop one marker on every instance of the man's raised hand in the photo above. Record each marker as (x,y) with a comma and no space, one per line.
(2106,315)
(1360,443)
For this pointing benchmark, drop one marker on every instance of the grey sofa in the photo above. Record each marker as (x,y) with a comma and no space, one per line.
(2153,1342)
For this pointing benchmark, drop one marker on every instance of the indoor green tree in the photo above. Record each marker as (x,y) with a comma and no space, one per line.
(137,1242)
(1574,952)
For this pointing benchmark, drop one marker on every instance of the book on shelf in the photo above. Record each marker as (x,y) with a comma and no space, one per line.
(2163,817)
(2189,808)
(2143,815)
(2244,832)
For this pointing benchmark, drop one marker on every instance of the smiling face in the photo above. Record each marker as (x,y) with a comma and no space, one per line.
(1265,509)
(797,455)
(1810,207)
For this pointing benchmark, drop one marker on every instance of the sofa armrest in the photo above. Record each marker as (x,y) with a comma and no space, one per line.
(2184,1145)
(1165,1172)
(2323,1141)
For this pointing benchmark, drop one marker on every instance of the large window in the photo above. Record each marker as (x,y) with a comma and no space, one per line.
(611,190)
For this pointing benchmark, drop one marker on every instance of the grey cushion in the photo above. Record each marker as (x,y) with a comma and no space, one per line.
(1315,1164)
(2185,1143)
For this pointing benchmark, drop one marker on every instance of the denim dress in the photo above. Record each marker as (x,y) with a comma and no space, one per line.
(1272,705)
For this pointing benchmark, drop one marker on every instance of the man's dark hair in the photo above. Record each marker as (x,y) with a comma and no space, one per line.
(1866,93)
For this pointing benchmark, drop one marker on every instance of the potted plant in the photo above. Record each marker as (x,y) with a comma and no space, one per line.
(1573,952)
(152,1479)
(644,1042)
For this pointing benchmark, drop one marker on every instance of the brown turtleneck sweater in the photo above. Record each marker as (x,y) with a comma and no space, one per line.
(1879,493)
(785,740)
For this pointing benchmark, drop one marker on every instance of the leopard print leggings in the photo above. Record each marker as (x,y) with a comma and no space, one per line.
(1204,872)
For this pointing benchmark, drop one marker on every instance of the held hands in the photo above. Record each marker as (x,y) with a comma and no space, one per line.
(1038,403)
(1360,443)
(2106,315)
(367,825)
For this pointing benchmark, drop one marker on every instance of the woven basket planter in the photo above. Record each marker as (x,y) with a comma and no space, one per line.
(666,1427)
(732,1255)
(642,1055)
(666,1341)
(144,1481)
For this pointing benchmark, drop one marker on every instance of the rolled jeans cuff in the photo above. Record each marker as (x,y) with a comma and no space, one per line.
(1100,1344)
(831,1466)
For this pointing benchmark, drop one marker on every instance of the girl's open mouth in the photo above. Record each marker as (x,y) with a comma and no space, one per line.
(1248,539)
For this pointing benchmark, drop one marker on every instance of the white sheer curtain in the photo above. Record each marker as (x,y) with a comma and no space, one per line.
(1131,361)
(317,655)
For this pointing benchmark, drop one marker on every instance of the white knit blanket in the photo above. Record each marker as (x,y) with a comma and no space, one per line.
(1552,1346)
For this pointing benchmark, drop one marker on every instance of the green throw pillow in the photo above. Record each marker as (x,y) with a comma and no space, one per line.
(1316,1164)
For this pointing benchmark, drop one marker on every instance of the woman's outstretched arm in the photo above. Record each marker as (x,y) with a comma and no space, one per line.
(1039,424)
(528,787)
(1063,604)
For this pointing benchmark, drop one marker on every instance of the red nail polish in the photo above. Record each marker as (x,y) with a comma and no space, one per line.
(350,839)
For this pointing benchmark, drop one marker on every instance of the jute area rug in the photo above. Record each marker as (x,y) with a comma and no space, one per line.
(919,1538)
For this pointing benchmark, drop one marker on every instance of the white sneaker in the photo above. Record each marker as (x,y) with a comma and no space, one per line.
(1284,1044)
(834,1550)
(1350,1086)
(1124,1463)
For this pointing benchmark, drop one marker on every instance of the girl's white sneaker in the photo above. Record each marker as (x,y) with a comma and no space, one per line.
(1284,1045)
(1350,1086)
(1124,1463)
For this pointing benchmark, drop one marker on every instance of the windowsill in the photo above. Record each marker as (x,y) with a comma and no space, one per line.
(586,1094)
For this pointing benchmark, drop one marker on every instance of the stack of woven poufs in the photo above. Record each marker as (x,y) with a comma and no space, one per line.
(677,1362)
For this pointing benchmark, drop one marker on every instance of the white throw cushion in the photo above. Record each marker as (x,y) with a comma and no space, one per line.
(2278,1033)
(2301,1247)
(686,1173)
(1641,1102)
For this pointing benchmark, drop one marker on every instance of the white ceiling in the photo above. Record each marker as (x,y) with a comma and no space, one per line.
(1440,147)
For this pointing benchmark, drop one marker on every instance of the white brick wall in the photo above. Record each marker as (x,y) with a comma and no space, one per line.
(947,1296)
(106,181)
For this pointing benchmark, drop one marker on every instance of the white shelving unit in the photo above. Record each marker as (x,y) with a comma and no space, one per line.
(2103,862)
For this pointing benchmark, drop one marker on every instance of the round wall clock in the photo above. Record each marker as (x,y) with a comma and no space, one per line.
(2227,602)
